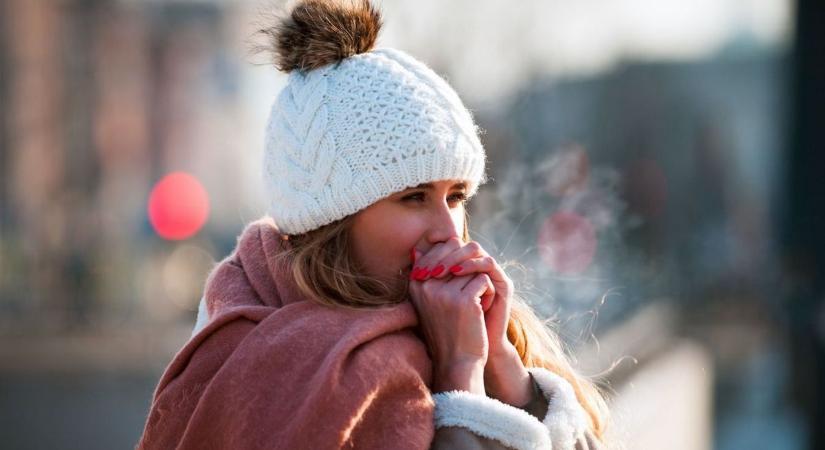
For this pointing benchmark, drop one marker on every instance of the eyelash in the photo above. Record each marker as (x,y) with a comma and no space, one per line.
(418,196)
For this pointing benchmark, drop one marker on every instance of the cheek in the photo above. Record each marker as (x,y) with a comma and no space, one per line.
(394,249)
(382,243)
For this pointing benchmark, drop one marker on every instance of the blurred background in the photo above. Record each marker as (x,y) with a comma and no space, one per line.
(656,178)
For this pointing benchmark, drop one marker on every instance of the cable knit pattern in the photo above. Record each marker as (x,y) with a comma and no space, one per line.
(345,135)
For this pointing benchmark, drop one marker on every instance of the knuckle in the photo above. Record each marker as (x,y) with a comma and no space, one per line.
(435,291)
(430,289)
(481,279)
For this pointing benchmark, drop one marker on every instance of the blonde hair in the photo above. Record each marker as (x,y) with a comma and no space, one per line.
(324,268)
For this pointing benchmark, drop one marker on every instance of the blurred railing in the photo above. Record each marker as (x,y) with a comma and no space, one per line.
(661,387)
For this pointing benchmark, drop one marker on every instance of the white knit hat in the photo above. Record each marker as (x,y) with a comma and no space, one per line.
(351,132)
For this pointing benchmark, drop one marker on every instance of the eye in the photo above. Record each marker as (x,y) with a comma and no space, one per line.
(458,197)
(415,196)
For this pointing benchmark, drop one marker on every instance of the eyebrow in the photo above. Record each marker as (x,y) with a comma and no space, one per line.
(461,185)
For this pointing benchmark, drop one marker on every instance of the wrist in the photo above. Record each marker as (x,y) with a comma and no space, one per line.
(503,351)
(506,378)
(462,376)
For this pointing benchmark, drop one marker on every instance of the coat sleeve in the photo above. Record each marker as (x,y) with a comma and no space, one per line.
(460,438)
(552,419)
(589,442)
(456,438)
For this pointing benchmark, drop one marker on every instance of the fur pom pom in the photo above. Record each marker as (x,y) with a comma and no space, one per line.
(320,32)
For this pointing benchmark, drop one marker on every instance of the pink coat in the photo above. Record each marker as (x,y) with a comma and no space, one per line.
(274,370)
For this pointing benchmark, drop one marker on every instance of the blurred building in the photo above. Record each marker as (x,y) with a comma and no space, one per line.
(101,99)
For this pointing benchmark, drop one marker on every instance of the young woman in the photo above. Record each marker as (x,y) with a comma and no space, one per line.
(360,314)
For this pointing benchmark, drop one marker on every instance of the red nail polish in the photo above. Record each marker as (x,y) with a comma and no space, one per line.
(422,274)
(437,270)
(455,269)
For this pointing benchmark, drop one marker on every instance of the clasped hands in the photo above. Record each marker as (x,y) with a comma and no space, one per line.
(463,299)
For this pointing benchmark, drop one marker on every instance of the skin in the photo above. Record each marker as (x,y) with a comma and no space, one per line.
(463,312)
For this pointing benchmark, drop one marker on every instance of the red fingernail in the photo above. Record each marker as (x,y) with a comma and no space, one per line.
(437,270)
(422,274)
(455,269)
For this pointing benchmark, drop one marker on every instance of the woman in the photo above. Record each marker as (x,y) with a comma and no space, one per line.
(360,314)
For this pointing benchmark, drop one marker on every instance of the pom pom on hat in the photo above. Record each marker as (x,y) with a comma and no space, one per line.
(321,32)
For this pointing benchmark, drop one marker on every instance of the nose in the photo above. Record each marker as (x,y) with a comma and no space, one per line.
(445,223)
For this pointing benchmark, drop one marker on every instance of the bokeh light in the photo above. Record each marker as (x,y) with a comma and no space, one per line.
(178,206)
(184,274)
(567,242)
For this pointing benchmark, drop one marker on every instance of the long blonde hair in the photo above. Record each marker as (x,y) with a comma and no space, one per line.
(324,269)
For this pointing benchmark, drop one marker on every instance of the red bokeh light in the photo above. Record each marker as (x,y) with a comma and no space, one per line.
(567,242)
(178,206)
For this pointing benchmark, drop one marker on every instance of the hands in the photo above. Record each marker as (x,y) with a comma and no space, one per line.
(463,299)
(452,322)
(451,259)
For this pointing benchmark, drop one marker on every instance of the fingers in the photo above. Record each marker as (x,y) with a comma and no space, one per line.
(462,289)
(486,264)
(441,289)
(480,287)
(465,261)
(482,264)
(443,261)
(427,264)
